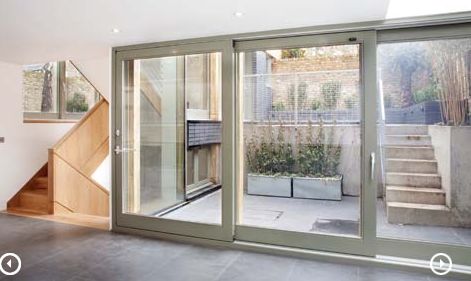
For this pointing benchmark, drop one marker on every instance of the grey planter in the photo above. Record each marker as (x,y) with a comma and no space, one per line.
(318,188)
(269,185)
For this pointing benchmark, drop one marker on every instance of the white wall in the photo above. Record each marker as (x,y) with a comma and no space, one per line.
(26,145)
(98,71)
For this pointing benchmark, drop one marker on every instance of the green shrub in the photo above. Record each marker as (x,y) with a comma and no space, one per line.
(429,93)
(279,106)
(78,103)
(351,101)
(293,53)
(331,93)
(316,105)
(270,156)
(318,157)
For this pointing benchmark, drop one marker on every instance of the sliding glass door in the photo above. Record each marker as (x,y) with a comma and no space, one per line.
(169,140)
(306,142)
(294,141)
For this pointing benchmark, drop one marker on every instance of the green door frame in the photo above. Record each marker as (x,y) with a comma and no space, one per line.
(223,231)
(408,29)
(364,244)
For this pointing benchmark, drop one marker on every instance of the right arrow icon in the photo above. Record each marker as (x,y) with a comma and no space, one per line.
(440,264)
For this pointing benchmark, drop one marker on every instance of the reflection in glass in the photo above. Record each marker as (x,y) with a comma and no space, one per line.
(423,134)
(171,137)
(301,139)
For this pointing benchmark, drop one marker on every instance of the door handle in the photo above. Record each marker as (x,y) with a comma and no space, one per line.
(119,150)
(372,165)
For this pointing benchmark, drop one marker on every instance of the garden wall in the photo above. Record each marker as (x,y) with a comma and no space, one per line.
(452,151)
(348,136)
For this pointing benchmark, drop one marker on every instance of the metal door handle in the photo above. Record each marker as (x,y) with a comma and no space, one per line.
(372,165)
(119,150)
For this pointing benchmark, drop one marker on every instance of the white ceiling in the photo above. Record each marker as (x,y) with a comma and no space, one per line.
(41,30)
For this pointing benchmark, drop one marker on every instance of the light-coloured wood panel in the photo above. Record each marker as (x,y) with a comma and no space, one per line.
(96,158)
(86,137)
(77,192)
(97,222)
(150,93)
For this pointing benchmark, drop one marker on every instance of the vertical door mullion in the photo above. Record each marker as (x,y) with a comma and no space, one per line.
(369,186)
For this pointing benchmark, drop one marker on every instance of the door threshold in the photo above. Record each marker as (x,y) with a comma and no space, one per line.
(460,272)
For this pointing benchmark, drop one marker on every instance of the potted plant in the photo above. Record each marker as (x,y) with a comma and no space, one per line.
(317,162)
(270,162)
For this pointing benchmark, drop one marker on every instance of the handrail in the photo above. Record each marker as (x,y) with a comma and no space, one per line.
(381,130)
(79,123)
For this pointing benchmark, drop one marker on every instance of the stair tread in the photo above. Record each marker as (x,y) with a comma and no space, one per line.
(26,210)
(36,192)
(412,160)
(418,206)
(413,174)
(408,135)
(415,189)
(409,146)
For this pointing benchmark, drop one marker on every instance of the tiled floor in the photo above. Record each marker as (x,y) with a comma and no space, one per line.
(54,251)
(305,215)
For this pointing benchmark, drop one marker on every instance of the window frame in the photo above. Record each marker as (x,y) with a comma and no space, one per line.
(61,116)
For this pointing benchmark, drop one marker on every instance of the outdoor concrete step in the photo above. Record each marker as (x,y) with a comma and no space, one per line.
(412,152)
(411,166)
(414,180)
(402,129)
(405,194)
(408,140)
(423,214)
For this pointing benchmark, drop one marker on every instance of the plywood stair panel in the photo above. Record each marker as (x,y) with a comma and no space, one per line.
(414,193)
(64,186)
(74,159)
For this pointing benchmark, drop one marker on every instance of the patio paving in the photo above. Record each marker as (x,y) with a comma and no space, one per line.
(305,215)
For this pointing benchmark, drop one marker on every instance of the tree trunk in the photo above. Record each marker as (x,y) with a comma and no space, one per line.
(47,98)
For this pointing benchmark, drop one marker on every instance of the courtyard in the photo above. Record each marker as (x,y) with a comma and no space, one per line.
(316,216)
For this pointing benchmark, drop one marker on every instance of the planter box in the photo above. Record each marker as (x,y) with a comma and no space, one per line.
(425,113)
(317,188)
(269,185)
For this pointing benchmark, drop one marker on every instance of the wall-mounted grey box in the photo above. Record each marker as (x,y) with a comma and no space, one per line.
(2,139)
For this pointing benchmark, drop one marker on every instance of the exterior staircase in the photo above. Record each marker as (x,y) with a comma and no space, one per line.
(414,193)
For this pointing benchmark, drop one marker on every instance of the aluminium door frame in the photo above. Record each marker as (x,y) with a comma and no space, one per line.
(365,243)
(223,231)
(421,249)
(451,26)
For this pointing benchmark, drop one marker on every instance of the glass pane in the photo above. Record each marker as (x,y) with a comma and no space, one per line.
(40,88)
(301,139)
(159,141)
(424,134)
(80,94)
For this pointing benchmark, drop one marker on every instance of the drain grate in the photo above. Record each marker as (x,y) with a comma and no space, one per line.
(347,227)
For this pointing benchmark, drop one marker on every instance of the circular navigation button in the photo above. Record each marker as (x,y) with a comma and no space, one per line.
(441,264)
(10,264)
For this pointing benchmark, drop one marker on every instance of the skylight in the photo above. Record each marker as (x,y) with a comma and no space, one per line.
(408,8)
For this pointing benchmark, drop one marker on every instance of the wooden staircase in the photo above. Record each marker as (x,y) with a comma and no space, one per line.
(64,185)
(33,197)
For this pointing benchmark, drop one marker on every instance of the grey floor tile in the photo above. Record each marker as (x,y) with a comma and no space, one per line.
(313,270)
(253,266)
